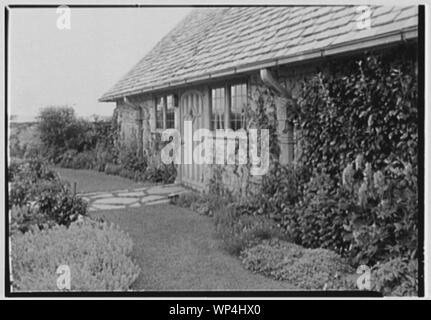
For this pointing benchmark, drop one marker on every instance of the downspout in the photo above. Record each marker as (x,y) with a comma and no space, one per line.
(285,132)
(139,120)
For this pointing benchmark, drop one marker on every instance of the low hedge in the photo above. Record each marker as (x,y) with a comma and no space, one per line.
(97,253)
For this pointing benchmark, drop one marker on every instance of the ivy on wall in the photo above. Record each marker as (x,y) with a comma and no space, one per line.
(370,109)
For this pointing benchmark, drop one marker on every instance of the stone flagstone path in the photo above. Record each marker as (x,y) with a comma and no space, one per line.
(122,199)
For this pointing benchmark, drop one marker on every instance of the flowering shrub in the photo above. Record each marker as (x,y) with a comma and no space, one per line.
(59,204)
(306,268)
(33,184)
(98,255)
(382,220)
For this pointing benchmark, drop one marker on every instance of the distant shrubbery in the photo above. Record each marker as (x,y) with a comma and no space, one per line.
(71,142)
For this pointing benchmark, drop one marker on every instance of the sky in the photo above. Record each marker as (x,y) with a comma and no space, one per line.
(50,66)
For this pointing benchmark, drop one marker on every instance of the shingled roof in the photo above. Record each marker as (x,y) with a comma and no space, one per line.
(212,42)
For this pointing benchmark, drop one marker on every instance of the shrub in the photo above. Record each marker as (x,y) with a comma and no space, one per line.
(61,130)
(33,183)
(82,160)
(161,173)
(103,158)
(396,277)
(318,219)
(281,189)
(24,218)
(204,203)
(98,255)
(130,159)
(382,221)
(113,169)
(25,178)
(306,268)
(125,173)
(369,106)
(238,230)
(30,170)
(57,202)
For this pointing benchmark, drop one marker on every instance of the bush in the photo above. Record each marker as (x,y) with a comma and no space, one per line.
(369,106)
(161,173)
(239,230)
(33,184)
(74,160)
(60,130)
(382,222)
(25,218)
(205,203)
(130,160)
(281,189)
(30,170)
(112,169)
(318,219)
(306,268)
(98,255)
(25,178)
(59,204)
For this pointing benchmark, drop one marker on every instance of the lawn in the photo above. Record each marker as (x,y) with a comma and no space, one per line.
(91,180)
(177,250)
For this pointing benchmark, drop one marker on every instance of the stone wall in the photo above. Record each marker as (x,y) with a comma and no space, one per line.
(136,117)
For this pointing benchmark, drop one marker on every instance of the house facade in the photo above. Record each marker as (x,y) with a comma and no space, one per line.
(207,68)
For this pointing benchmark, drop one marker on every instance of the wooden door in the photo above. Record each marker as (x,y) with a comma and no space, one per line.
(191,109)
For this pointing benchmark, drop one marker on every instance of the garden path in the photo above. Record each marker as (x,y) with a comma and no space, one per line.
(176,248)
(134,198)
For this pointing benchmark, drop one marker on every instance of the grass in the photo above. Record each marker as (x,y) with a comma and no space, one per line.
(177,250)
(91,180)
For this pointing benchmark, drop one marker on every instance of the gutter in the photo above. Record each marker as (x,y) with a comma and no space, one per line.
(351,46)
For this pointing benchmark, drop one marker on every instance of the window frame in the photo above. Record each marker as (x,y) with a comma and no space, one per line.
(159,102)
(162,124)
(241,114)
(223,100)
(170,111)
(227,86)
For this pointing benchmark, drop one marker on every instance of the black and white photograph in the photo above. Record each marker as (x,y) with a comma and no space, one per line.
(215,150)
